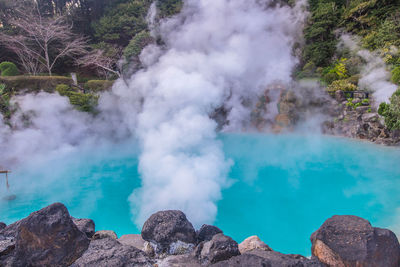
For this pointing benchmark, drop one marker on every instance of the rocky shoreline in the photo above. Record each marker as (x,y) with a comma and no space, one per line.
(356,119)
(51,237)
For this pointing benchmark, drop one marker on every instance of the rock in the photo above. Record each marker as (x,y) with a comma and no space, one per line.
(356,100)
(340,96)
(219,248)
(352,241)
(207,232)
(133,240)
(85,225)
(10,230)
(283,120)
(251,243)
(187,260)
(277,259)
(104,234)
(48,237)
(107,252)
(370,117)
(2,225)
(169,232)
(362,109)
(7,245)
(244,260)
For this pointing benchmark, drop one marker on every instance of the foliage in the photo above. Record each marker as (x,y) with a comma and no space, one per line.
(377,22)
(169,8)
(8,69)
(6,108)
(98,85)
(81,101)
(320,39)
(63,89)
(386,34)
(391,112)
(365,101)
(343,85)
(122,22)
(35,83)
(396,75)
(137,44)
(336,72)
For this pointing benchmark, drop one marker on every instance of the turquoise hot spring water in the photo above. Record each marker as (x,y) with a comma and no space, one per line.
(283,186)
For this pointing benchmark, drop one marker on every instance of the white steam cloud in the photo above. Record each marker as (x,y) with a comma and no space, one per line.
(374,74)
(216,53)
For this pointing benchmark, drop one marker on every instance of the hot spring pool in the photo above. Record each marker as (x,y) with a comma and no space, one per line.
(284,186)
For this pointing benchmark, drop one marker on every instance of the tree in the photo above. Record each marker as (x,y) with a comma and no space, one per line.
(102,62)
(319,35)
(122,22)
(42,40)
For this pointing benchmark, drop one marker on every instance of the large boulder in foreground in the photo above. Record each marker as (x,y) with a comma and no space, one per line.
(169,232)
(219,248)
(346,241)
(48,237)
(107,252)
(268,259)
(277,259)
(244,260)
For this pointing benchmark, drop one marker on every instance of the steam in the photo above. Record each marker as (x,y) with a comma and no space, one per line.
(216,53)
(374,74)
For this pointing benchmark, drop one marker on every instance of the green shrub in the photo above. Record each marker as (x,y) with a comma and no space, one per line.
(98,85)
(309,69)
(5,106)
(137,44)
(354,79)
(83,102)
(343,85)
(382,109)
(330,77)
(391,112)
(396,75)
(35,83)
(8,69)
(365,101)
(2,88)
(63,89)
(169,8)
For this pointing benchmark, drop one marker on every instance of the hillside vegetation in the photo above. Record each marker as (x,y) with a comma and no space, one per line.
(377,25)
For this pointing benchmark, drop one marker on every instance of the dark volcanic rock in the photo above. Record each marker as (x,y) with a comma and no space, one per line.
(48,238)
(109,252)
(169,231)
(277,259)
(219,248)
(244,260)
(104,234)
(352,241)
(187,260)
(207,232)
(85,225)
(2,225)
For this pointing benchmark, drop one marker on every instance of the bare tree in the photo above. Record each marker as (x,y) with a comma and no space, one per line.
(42,41)
(29,61)
(102,63)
